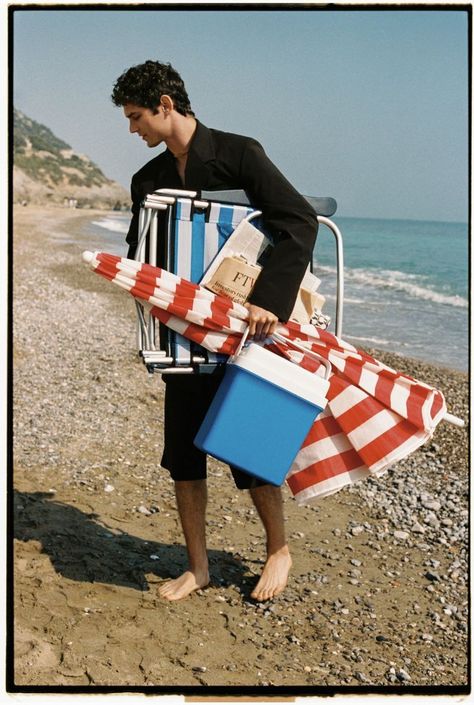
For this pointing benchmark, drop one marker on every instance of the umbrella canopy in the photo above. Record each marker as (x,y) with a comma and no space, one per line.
(375,416)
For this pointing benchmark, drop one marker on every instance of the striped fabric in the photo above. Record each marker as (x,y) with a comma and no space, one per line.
(196,236)
(375,416)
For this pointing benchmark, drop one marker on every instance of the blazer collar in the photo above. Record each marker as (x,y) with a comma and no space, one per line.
(203,144)
(201,154)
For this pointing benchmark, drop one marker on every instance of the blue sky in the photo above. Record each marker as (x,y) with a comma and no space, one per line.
(370,107)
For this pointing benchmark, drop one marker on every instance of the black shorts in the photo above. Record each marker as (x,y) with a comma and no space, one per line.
(187,399)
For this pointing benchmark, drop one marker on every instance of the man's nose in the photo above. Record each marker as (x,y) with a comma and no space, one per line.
(133,128)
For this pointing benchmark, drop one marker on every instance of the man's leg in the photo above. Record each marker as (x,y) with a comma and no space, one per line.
(187,398)
(269,504)
(191,499)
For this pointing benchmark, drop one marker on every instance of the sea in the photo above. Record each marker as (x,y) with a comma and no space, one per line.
(406,282)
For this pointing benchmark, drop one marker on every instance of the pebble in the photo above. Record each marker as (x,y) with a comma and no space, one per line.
(417,528)
(432,520)
(432,576)
(293,639)
(431,504)
(356,530)
(402,675)
(402,535)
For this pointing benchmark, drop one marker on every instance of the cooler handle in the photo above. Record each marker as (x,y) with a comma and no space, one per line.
(281,339)
(241,344)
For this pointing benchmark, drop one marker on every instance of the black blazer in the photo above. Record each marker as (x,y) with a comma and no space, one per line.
(221,160)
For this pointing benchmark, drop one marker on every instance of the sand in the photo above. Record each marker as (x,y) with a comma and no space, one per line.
(96,531)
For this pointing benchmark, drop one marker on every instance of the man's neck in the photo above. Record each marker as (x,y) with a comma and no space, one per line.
(183,132)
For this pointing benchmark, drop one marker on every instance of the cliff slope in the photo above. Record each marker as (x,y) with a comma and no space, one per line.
(47,170)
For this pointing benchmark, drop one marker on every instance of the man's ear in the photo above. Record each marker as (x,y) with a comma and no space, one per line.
(166,103)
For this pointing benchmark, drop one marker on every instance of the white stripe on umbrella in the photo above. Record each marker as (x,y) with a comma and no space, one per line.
(375,415)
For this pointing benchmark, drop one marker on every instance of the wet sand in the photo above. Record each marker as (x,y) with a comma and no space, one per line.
(378,591)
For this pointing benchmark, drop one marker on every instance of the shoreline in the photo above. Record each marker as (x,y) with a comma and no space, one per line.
(96,527)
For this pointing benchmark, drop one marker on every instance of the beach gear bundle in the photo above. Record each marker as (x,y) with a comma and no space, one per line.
(219,241)
(375,416)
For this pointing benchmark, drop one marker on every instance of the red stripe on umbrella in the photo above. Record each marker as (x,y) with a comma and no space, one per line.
(325,469)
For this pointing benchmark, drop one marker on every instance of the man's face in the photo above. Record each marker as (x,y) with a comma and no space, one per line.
(149,126)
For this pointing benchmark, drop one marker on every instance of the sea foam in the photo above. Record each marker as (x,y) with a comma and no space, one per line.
(115,226)
(411,284)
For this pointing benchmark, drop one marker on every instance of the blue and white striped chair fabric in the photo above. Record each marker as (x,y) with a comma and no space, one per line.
(195,236)
(198,234)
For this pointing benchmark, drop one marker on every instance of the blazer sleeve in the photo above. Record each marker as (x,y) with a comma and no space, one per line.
(290,220)
(132,235)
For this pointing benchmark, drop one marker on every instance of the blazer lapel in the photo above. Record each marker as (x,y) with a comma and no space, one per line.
(201,155)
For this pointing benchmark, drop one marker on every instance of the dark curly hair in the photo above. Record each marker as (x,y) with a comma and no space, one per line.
(144,85)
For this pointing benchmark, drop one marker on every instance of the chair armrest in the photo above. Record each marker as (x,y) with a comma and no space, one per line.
(322,205)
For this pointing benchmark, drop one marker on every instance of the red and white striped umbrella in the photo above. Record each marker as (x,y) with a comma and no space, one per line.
(375,416)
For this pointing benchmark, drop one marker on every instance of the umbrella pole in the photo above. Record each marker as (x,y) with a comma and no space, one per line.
(455,420)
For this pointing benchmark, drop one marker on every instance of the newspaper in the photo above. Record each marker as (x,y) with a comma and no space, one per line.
(246,241)
(234,277)
(235,268)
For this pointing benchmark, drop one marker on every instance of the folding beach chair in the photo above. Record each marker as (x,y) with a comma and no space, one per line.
(183,232)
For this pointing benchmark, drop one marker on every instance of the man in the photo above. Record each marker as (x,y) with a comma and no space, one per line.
(155,102)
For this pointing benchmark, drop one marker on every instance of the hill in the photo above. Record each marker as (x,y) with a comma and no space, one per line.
(48,170)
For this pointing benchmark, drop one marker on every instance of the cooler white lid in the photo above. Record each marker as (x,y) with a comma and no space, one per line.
(283,373)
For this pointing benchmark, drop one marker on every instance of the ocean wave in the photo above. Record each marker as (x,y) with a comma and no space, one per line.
(374,341)
(411,284)
(116,226)
(348,300)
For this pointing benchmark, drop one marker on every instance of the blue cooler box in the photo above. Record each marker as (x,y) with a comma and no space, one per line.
(261,413)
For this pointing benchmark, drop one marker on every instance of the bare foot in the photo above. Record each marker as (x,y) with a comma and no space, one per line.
(274,576)
(183,586)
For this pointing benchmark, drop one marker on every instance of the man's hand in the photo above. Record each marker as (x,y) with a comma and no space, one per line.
(262,323)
